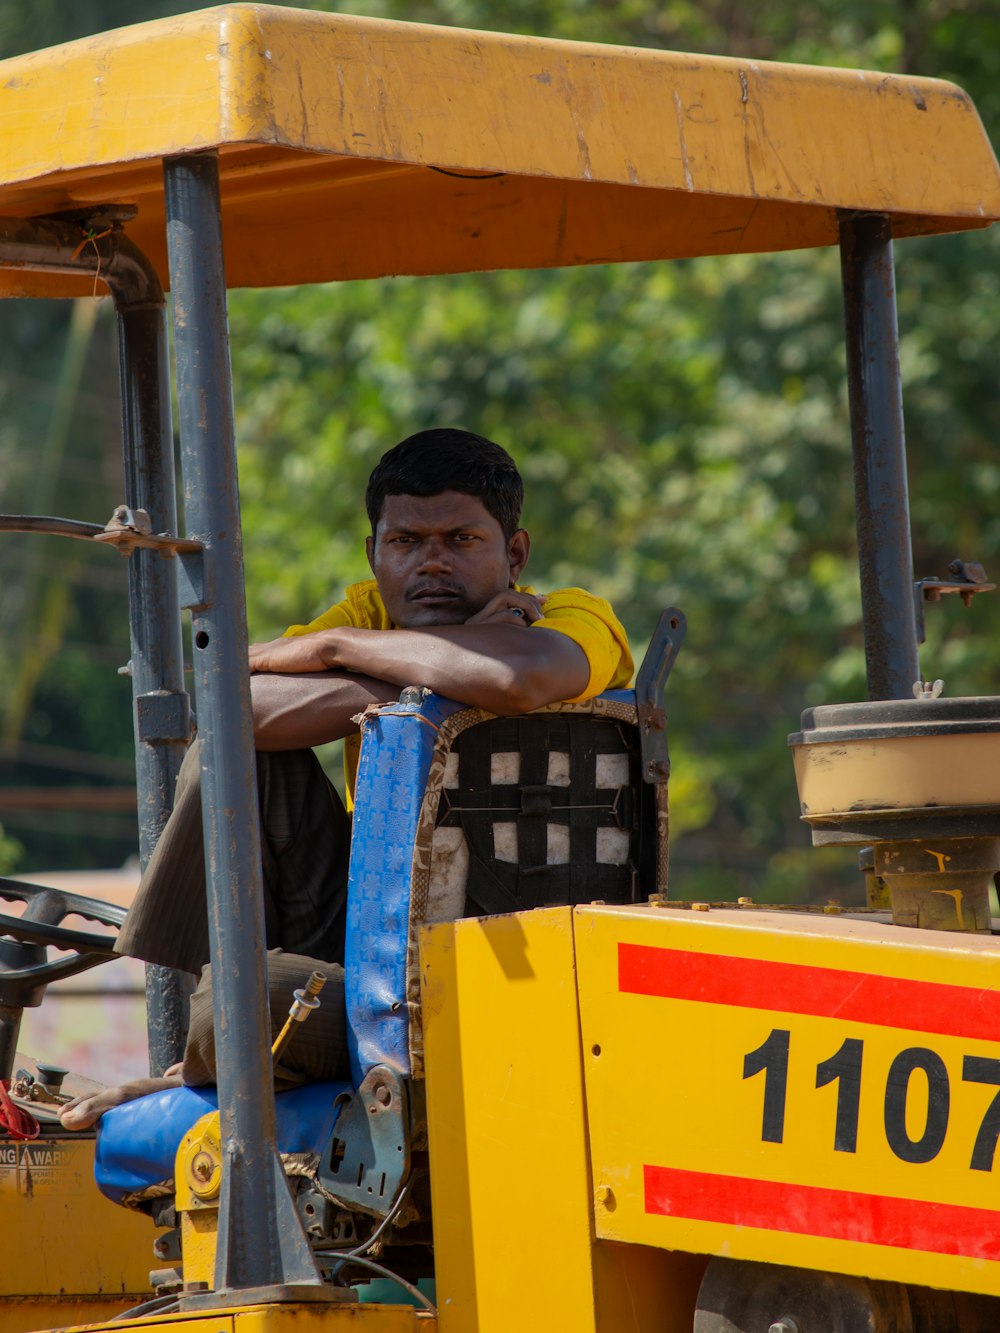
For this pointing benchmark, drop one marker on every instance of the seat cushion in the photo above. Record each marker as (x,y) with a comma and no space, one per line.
(137,1142)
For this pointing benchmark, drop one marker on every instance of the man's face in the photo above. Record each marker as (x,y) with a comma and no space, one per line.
(438,559)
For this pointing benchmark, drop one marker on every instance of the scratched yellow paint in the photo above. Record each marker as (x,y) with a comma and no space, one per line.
(336,135)
(68,1254)
(287,1317)
(510,1175)
(323,1318)
(667,1087)
(505,1120)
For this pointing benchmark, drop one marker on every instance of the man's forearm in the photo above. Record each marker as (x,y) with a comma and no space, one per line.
(296,712)
(502,668)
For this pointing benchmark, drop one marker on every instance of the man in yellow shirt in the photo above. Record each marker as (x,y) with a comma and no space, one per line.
(444,610)
(446,551)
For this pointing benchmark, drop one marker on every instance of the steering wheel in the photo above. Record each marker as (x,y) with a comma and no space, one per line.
(24,965)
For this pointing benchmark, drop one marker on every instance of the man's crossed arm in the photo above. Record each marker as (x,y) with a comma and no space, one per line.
(306,689)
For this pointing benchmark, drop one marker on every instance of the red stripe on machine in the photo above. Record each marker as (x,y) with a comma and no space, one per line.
(798,988)
(809,1210)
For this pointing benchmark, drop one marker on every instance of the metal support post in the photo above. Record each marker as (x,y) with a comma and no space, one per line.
(883,517)
(161,704)
(162,713)
(260,1239)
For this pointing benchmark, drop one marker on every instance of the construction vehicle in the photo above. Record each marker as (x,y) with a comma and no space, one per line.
(634,1116)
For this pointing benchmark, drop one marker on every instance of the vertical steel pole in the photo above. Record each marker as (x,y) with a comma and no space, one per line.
(883,516)
(260,1240)
(162,712)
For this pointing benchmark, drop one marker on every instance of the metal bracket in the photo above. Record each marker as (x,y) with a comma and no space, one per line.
(650,684)
(163,715)
(192,584)
(96,219)
(967,578)
(368,1156)
(131,529)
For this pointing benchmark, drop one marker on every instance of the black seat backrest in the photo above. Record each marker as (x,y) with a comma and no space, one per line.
(553,810)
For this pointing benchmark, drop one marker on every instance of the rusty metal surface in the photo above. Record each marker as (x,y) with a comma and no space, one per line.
(132,529)
(650,684)
(940,883)
(968,578)
(368,1158)
(87,244)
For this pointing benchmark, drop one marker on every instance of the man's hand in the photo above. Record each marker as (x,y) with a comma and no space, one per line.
(510,608)
(301,653)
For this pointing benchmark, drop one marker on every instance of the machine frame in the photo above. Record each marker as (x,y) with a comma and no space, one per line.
(414,150)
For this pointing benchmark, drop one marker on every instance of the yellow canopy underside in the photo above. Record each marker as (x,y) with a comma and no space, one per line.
(356,147)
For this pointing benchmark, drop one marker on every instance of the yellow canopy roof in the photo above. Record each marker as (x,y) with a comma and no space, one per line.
(355,147)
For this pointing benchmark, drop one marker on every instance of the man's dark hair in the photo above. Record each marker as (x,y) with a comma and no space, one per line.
(433,461)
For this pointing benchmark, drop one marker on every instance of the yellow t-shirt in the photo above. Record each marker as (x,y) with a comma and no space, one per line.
(589,621)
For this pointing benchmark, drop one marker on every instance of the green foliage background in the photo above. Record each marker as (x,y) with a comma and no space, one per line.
(682,430)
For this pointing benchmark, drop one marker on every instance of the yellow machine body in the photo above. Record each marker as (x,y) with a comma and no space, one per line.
(817,1093)
(635,1087)
(68,1255)
(285,1318)
(198,1180)
(512,1185)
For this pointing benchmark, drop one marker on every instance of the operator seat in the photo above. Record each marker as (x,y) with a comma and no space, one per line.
(459,813)
(513,813)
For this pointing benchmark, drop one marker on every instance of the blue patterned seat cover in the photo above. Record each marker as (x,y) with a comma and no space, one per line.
(396,751)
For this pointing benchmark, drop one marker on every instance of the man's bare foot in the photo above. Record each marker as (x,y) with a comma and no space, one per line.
(82,1112)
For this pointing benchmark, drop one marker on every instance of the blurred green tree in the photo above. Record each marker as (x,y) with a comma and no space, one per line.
(682,429)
